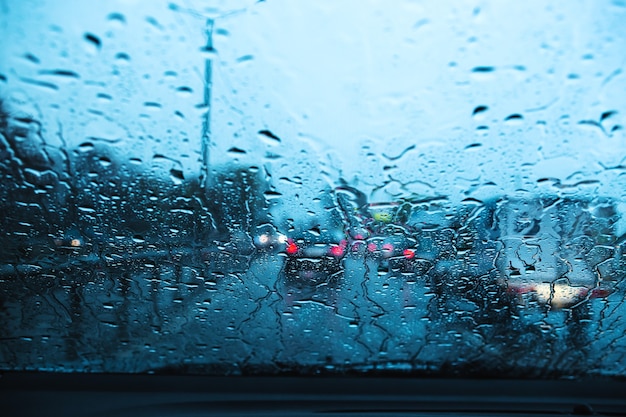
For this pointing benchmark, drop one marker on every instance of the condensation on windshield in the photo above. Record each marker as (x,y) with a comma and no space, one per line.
(274,187)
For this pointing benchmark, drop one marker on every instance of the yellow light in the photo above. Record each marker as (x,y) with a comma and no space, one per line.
(382,217)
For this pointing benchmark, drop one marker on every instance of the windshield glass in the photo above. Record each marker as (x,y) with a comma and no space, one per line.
(275,187)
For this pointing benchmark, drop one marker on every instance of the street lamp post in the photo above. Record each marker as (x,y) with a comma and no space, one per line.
(206,123)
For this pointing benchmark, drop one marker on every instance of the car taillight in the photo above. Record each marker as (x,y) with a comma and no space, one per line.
(409,253)
(521,289)
(336,250)
(599,293)
(292,248)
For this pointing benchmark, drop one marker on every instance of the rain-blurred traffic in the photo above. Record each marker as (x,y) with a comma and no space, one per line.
(246,187)
(124,261)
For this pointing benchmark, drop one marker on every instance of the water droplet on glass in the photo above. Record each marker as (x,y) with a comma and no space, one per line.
(607,114)
(269,137)
(245,58)
(93,40)
(154,22)
(117,18)
(473,145)
(104,97)
(177,175)
(86,147)
(483,69)
(184,91)
(479,110)
(32,58)
(152,105)
(514,118)
(272,195)
(237,150)
(122,57)
(104,161)
(60,73)
(208,53)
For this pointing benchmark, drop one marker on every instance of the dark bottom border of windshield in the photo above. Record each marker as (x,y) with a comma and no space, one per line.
(30,394)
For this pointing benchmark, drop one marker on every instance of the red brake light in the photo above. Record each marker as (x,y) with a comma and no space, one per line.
(336,250)
(388,247)
(521,289)
(599,293)
(409,253)
(292,248)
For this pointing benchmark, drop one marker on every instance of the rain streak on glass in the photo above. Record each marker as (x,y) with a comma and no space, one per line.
(265,187)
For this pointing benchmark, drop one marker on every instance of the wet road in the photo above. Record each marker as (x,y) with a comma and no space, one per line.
(190,309)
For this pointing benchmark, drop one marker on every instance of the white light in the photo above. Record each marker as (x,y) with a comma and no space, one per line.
(560,295)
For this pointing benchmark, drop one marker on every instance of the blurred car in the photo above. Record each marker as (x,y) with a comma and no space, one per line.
(314,248)
(556,294)
(555,249)
(385,237)
(70,243)
(314,258)
(267,238)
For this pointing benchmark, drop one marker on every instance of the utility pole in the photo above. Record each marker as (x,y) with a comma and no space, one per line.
(206,123)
